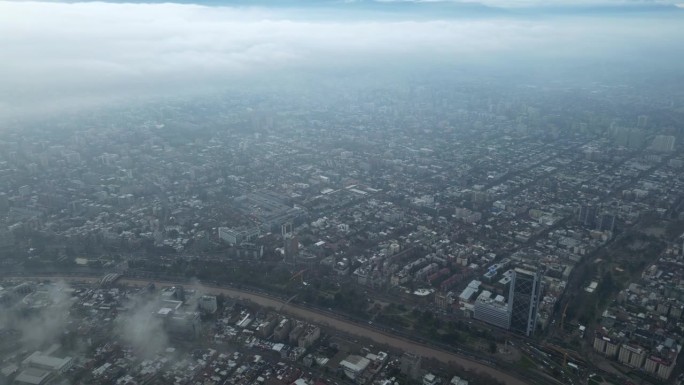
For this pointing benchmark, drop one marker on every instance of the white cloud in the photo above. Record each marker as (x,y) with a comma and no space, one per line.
(60,54)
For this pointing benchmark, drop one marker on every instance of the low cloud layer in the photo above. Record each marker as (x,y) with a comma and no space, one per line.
(142,329)
(58,55)
(40,317)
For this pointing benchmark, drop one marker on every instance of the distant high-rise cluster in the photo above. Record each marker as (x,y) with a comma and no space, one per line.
(632,138)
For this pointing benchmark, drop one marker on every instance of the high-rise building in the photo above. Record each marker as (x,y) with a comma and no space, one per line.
(663,143)
(632,355)
(290,242)
(523,300)
(291,247)
(607,222)
(587,215)
(642,121)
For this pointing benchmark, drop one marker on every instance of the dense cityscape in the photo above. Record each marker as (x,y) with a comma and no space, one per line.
(475,230)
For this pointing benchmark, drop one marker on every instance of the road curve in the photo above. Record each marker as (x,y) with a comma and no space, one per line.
(324,319)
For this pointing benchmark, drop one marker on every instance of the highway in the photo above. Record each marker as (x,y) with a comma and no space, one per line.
(322,318)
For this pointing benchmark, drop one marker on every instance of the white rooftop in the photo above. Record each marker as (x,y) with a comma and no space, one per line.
(165,311)
(32,376)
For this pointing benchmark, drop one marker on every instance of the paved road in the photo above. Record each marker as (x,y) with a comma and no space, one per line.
(331,320)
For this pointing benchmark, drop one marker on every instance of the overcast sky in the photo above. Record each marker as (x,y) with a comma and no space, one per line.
(59,55)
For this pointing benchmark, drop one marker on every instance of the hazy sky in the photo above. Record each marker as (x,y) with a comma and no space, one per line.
(57,55)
